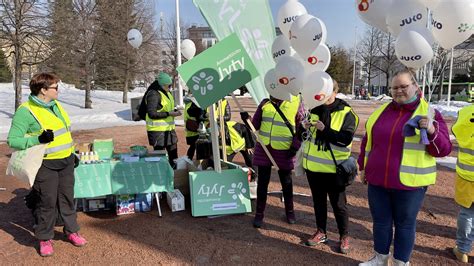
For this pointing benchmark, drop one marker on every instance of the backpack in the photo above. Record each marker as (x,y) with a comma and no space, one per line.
(141,115)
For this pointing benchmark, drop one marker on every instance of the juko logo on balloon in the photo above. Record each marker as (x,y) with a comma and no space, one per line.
(318,37)
(364,5)
(285,80)
(289,19)
(279,53)
(436,24)
(411,58)
(409,20)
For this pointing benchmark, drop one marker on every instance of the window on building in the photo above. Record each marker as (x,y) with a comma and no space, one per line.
(163,52)
(209,43)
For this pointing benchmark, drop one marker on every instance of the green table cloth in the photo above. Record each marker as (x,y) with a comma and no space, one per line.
(118,177)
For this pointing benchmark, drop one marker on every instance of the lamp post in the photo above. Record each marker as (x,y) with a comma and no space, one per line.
(178,55)
(354,66)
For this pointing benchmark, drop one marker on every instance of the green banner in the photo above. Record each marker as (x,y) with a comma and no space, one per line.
(218,71)
(214,193)
(252,21)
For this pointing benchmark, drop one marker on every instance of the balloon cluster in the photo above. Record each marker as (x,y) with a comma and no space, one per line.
(301,57)
(451,23)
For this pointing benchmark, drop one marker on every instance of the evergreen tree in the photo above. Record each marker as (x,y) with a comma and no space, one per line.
(5,73)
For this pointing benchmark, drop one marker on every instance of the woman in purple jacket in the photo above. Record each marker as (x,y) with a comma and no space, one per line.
(398,167)
(282,144)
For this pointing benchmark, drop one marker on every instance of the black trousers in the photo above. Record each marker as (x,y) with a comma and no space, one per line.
(172,153)
(322,185)
(56,194)
(264,174)
(191,141)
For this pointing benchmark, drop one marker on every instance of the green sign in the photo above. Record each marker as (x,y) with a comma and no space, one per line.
(218,71)
(252,21)
(214,193)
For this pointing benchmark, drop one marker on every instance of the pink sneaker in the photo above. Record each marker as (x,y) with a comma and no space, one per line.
(76,239)
(46,248)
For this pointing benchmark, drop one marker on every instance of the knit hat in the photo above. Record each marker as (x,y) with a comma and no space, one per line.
(163,79)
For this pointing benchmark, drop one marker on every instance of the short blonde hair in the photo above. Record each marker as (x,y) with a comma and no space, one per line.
(336,86)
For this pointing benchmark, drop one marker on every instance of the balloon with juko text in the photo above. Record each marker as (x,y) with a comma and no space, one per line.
(412,49)
(280,47)
(288,13)
(406,14)
(307,32)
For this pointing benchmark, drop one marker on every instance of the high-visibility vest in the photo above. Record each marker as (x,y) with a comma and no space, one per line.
(162,124)
(62,146)
(321,161)
(463,129)
(418,167)
(237,142)
(273,130)
(216,111)
(188,117)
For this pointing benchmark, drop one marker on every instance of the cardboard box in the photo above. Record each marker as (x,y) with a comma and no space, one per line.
(175,200)
(143,202)
(104,148)
(103,203)
(125,204)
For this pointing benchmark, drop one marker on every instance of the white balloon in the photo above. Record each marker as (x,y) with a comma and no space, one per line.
(406,14)
(318,60)
(317,89)
(431,4)
(453,22)
(188,49)
(290,74)
(374,12)
(412,49)
(274,88)
(288,13)
(307,32)
(280,47)
(135,38)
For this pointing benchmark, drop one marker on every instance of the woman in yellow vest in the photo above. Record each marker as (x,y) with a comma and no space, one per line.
(193,116)
(42,120)
(282,145)
(160,116)
(398,167)
(463,129)
(331,126)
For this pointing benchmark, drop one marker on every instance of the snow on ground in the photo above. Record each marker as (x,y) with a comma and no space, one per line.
(108,109)
(452,109)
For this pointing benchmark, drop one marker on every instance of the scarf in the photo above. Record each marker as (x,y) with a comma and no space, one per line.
(40,102)
(324,113)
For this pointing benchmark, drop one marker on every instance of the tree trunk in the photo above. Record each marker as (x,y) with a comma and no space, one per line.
(127,78)
(17,77)
(88,102)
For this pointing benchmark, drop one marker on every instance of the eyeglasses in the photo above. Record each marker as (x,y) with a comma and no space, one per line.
(54,88)
(402,87)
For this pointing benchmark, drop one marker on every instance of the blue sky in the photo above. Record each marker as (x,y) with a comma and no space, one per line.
(339,16)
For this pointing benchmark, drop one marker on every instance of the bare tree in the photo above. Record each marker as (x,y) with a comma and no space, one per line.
(367,51)
(23,36)
(387,59)
(170,42)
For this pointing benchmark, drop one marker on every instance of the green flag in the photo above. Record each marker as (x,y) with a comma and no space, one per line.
(218,71)
(252,21)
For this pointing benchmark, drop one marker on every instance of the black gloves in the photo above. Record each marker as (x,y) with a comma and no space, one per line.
(292,151)
(46,137)
(244,116)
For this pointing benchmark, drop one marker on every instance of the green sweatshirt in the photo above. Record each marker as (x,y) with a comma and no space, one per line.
(24,124)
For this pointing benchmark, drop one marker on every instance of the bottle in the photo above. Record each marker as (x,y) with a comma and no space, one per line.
(87,158)
(96,157)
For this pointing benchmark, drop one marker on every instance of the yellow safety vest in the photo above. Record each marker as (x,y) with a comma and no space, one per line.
(273,129)
(186,118)
(163,124)
(62,146)
(321,161)
(418,167)
(463,129)
(237,142)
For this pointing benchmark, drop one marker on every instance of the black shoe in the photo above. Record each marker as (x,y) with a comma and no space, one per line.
(258,221)
(290,217)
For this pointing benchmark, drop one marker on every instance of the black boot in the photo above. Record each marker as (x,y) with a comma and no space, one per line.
(289,210)
(260,209)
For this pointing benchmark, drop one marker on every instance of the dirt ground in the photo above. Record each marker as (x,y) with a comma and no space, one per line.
(178,238)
